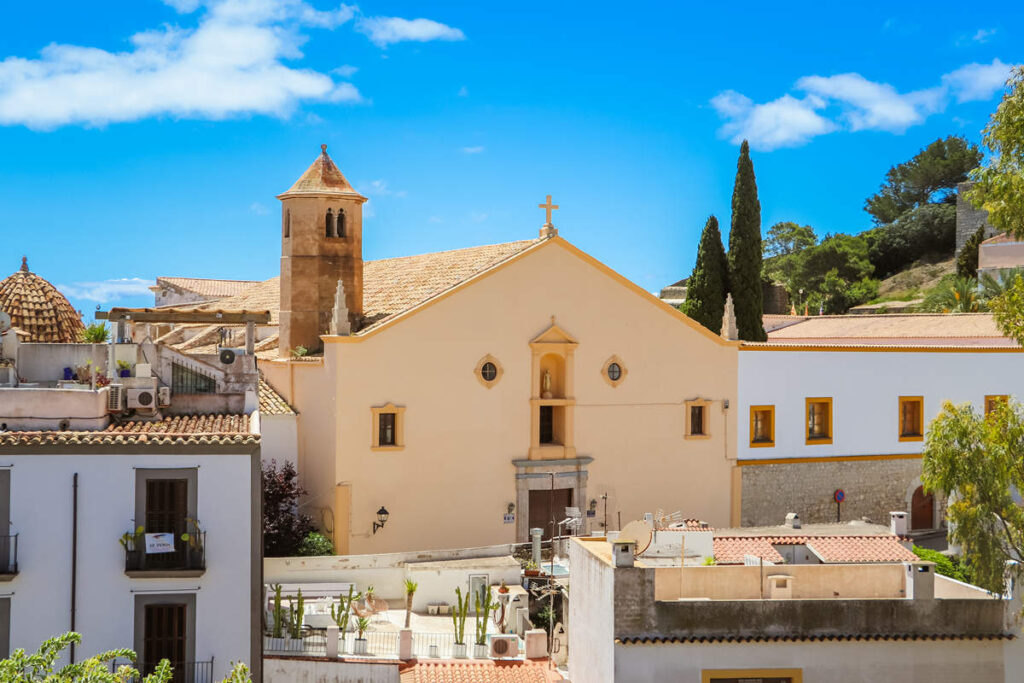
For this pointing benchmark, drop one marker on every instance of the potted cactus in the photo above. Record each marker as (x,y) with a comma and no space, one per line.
(343,613)
(459,611)
(293,624)
(483,612)
(362,623)
(275,641)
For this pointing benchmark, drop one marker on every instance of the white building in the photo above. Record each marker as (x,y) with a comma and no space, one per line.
(841,404)
(634,621)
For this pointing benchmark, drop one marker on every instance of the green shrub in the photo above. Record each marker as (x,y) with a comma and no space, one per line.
(944,565)
(316,544)
(928,229)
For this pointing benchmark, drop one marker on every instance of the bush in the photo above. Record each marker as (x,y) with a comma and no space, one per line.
(284,527)
(944,565)
(928,229)
(967,259)
(315,544)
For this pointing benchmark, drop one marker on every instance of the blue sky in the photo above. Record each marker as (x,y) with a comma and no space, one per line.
(143,137)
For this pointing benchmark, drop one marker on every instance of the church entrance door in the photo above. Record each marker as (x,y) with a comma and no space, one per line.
(922,510)
(542,502)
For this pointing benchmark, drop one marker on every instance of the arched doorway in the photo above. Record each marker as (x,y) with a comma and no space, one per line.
(922,510)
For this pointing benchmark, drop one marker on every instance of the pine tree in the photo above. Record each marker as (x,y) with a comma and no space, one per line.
(745,251)
(706,288)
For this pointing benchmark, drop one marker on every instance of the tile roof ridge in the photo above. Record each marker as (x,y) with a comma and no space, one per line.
(450,251)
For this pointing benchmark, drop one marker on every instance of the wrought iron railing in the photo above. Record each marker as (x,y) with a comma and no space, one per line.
(181,672)
(187,555)
(9,554)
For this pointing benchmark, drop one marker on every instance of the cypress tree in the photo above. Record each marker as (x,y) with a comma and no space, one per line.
(745,251)
(705,291)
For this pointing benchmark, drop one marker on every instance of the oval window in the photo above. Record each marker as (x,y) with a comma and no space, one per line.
(614,372)
(489,371)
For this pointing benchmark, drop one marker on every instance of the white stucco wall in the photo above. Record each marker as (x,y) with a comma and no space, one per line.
(41,513)
(591,618)
(279,439)
(950,661)
(865,388)
(293,670)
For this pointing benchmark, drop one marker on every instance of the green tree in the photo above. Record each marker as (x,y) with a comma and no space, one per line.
(707,286)
(96,333)
(967,259)
(977,458)
(787,238)
(999,184)
(745,251)
(847,255)
(930,176)
(954,294)
(923,230)
(1008,309)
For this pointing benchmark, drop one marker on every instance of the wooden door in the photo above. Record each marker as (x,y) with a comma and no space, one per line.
(922,510)
(541,503)
(164,636)
(166,509)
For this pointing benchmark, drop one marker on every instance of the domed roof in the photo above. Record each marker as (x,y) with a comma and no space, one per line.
(36,307)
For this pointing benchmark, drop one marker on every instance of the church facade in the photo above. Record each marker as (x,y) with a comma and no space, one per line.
(460,398)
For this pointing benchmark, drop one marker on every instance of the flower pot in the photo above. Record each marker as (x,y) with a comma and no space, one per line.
(359,646)
(271,644)
(432,609)
(124,373)
(459,650)
(480,651)
(531,572)
(434,653)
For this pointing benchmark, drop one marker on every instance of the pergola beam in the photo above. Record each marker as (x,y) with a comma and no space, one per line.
(184,315)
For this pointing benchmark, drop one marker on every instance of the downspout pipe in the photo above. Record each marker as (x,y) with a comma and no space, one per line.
(74,556)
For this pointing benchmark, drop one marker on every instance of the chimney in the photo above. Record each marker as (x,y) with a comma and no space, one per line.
(729,329)
(898,523)
(622,553)
(792,520)
(920,580)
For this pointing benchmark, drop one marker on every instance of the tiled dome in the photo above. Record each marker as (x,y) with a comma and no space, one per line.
(36,307)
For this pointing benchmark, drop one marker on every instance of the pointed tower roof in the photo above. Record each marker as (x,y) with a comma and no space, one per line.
(37,308)
(322,178)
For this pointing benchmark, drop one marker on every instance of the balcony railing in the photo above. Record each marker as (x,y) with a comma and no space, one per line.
(9,555)
(187,556)
(181,672)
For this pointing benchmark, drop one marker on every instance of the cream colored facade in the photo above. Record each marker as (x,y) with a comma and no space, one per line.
(468,449)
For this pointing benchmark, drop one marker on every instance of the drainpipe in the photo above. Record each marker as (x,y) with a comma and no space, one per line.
(74,555)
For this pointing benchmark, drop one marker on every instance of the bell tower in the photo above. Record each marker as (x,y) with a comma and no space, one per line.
(321,244)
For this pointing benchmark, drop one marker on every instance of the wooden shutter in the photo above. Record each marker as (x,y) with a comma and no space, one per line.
(166,510)
(165,636)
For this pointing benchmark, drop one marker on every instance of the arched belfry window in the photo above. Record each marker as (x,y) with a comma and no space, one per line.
(287,223)
(341,222)
(330,223)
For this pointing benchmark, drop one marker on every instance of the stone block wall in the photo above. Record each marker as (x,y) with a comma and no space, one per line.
(968,218)
(873,488)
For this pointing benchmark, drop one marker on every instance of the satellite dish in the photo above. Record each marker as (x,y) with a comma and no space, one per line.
(227,356)
(638,532)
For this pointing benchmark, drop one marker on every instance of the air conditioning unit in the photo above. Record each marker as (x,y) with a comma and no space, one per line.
(164,396)
(115,399)
(504,646)
(142,399)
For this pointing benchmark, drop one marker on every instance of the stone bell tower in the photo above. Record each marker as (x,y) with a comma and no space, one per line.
(321,244)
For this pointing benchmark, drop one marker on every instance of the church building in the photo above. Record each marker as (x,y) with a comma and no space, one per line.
(460,398)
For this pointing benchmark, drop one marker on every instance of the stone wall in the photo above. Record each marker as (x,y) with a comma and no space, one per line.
(873,488)
(776,298)
(968,218)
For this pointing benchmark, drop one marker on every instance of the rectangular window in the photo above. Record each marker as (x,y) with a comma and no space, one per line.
(165,628)
(752,676)
(697,420)
(762,426)
(547,424)
(388,427)
(165,501)
(697,426)
(991,402)
(911,418)
(819,420)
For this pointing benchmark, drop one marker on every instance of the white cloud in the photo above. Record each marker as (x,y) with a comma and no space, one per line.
(345,70)
(473,150)
(384,31)
(231,64)
(977,82)
(379,188)
(983,35)
(849,102)
(785,122)
(107,290)
(874,106)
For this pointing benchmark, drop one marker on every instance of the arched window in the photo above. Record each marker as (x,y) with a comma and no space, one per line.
(341,222)
(287,222)
(330,223)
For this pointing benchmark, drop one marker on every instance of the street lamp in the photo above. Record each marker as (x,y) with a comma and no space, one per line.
(382,518)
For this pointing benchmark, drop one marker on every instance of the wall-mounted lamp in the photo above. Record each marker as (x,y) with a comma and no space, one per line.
(593,503)
(511,508)
(382,518)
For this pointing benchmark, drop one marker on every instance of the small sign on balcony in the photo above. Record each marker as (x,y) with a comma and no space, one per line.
(159,543)
(510,518)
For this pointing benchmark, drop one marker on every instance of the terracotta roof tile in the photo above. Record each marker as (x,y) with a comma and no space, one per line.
(322,177)
(207,287)
(39,309)
(901,329)
(844,549)
(271,402)
(214,429)
(478,671)
(665,640)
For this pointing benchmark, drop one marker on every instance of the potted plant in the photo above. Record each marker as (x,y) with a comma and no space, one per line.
(124,368)
(342,615)
(194,537)
(483,612)
(275,641)
(133,542)
(296,618)
(503,588)
(530,568)
(459,612)
(362,623)
(410,590)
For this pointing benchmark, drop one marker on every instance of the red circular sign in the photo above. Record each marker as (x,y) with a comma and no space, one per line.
(839,496)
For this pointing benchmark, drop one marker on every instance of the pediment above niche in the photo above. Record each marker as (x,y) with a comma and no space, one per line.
(554,335)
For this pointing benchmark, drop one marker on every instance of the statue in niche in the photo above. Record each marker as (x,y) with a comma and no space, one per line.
(545,384)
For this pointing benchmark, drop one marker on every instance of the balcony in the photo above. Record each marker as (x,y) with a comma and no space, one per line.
(8,557)
(188,559)
(181,672)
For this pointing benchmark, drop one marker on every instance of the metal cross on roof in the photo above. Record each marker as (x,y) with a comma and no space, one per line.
(548,207)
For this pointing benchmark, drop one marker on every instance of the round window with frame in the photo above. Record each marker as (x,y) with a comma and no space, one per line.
(614,371)
(488,371)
